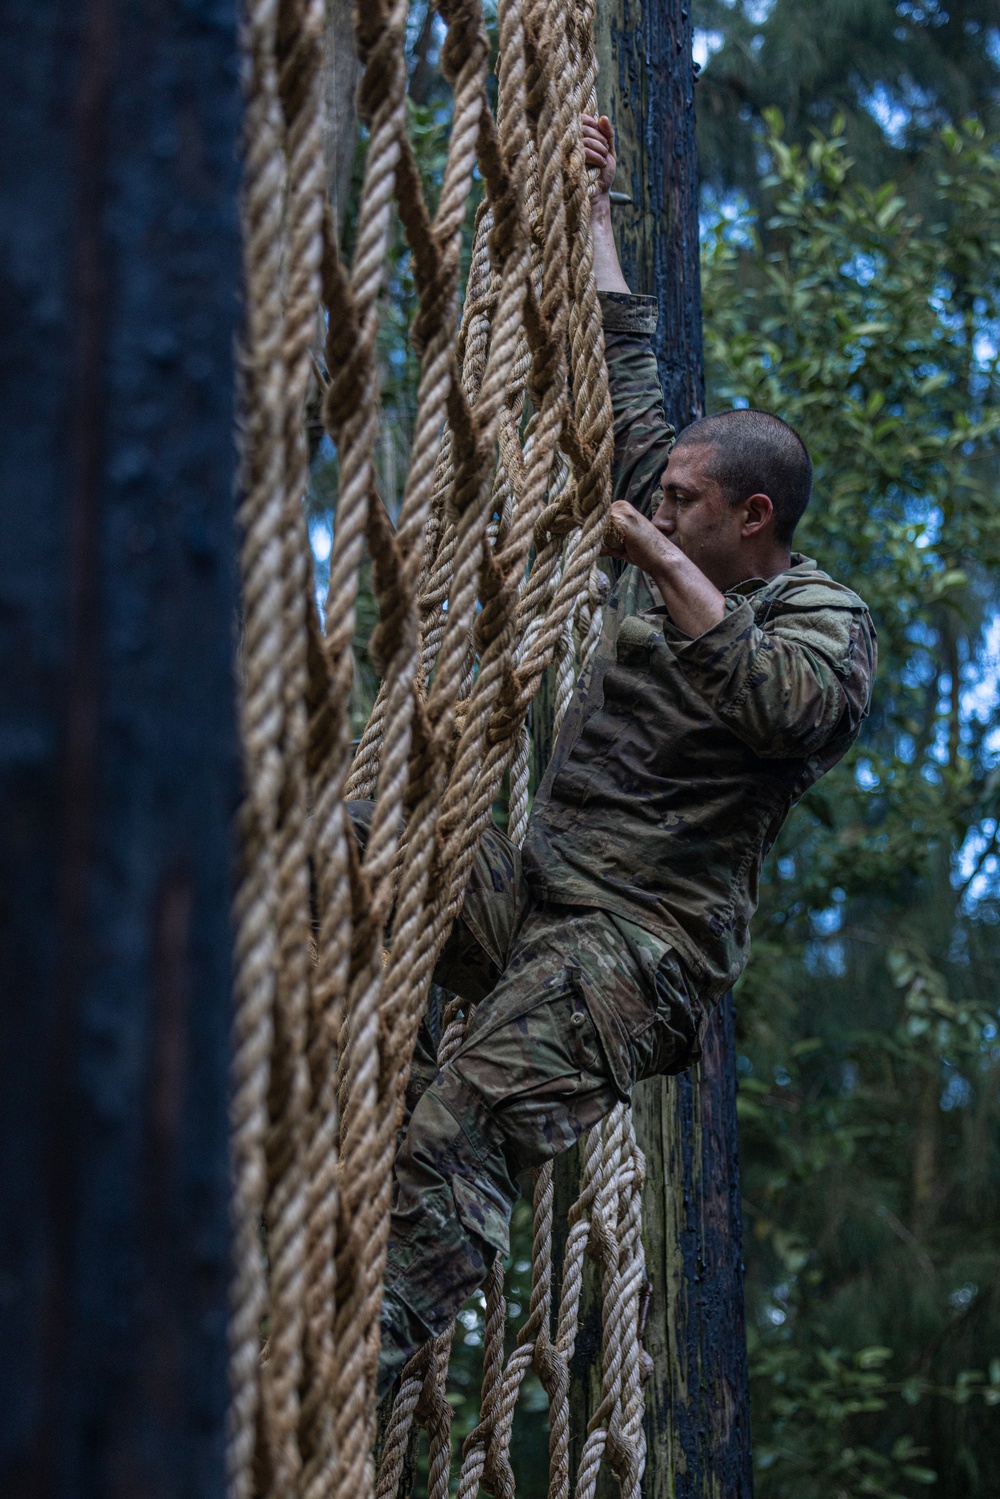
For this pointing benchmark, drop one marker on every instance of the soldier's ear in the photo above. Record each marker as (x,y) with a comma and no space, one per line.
(757,513)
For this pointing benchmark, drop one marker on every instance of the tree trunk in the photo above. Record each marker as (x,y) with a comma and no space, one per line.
(341,70)
(698,1408)
(646,86)
(119,770)
(697,1429)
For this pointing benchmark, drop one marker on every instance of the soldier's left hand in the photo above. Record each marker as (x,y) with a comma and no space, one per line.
(599,150)
(633,538)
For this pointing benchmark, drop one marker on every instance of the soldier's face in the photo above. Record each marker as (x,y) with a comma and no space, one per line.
(696,516)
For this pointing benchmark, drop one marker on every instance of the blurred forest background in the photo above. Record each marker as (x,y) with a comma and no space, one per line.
(851,281)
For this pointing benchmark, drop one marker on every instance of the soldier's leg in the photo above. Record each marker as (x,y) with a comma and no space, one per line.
(531,1077)
(580,1013)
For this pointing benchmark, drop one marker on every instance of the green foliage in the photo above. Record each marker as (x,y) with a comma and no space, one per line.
(870,1063)
(897,72)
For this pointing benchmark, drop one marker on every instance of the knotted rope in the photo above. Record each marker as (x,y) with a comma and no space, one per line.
(489,576)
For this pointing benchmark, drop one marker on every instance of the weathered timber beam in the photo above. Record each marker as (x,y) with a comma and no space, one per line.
(118,765)
(697,1427)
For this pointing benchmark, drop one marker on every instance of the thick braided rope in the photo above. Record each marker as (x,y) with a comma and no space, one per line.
(382,100)
(499,1392)
(405,977)
(500,1419)
(350,413)
(464,538)
(468,797)
(301,22)
(261,721)
(519,685)
(367,1134)
(480,299)
(422,976)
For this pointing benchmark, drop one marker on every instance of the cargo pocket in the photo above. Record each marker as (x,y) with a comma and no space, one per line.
(480,1215)
(636,639)
(610,1032)
(585,1043)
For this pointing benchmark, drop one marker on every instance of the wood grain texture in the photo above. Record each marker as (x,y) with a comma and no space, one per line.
(118,764)
(646,87)
(341,72)
(698,1419)
(698,1413)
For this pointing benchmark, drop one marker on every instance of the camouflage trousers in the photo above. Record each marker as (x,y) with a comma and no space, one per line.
(572,1006)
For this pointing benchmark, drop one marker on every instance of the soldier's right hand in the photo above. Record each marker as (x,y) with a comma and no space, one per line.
(599,149)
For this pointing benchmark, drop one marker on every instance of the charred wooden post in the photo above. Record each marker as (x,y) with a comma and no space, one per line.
(119,770)
(697,1430)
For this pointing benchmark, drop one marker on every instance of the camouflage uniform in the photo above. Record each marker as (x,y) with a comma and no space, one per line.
(603,946)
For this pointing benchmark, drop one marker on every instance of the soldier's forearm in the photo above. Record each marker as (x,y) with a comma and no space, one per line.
(693,602)
(606,266)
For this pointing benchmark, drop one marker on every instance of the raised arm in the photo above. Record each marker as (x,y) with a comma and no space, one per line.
(642,433)
(599,146)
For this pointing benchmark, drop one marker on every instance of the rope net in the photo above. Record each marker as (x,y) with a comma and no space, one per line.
(489,577)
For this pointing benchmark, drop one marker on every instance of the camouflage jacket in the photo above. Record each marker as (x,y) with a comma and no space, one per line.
(681,757)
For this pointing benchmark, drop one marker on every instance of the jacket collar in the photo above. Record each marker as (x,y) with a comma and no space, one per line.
(800,564)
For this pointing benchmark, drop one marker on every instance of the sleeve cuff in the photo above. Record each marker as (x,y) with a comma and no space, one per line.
(708,659)
(624,312)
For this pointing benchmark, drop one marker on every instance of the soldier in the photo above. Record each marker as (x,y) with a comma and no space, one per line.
(731,674)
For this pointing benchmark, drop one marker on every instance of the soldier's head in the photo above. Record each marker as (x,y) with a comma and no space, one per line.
(733,492)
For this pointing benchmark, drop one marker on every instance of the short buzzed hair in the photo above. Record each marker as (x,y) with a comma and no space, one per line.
(756,453)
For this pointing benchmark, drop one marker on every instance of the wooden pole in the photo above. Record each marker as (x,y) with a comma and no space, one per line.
(646,86)
(697,1427)
(119,769)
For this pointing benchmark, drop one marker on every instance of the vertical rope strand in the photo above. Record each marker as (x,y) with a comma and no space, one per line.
(261,721)
(489,577)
